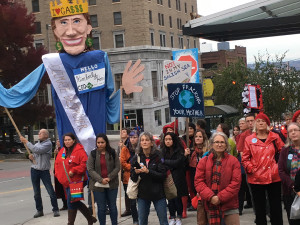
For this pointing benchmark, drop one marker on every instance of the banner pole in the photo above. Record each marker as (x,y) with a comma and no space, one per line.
(121,126)
(14,124)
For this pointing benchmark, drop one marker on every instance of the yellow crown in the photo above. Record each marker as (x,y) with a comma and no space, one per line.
(68,7)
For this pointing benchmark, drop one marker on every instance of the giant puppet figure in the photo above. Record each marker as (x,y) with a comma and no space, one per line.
(81,78)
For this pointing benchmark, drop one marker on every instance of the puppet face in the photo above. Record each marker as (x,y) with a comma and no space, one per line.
(72,32)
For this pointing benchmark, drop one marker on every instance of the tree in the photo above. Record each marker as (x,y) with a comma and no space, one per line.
(280,85)
(18,57)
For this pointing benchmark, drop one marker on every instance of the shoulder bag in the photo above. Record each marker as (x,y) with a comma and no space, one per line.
(133,187)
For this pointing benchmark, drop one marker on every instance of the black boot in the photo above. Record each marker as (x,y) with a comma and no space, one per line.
(87,214)
(72,216)
(127,211)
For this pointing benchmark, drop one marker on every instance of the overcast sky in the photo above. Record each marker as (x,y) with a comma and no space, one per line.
(273,45)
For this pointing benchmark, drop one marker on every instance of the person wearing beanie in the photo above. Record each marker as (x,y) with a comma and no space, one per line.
(259,161)
(296,117)
(127,153)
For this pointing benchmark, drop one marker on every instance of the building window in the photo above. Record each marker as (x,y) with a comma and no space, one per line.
(180,41)
(162,38)
(38,44)
(185,7)
(161,20)
(38,29)
(160,2)
(115,0)
(117,18)
(119,40)
(118,84)
(167,115)
(179,24)
(150,17)
(192,8)
(154,84)
(152,37)
(195,43)
(178,6)
(96,43)
(94,20)
(169,3)
(188,43)
(35,6)
(157,117)
(92,2)
(170,21)
(172,41)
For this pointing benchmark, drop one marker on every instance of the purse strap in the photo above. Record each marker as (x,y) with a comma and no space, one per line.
(68,174)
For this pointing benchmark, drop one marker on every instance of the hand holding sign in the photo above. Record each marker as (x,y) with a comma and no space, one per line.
(132,76)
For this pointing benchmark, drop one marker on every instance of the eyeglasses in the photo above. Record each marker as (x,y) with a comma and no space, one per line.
(291,131)
(219,142)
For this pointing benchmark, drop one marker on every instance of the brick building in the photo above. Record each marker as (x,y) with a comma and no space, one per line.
(129,30)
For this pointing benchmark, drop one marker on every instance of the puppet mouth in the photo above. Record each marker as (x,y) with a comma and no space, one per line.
(72,42)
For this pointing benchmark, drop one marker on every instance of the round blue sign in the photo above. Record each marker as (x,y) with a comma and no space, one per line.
(186,99)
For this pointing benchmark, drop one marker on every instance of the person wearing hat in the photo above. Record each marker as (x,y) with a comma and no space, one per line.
(296,117)
(127,153)
(261,167)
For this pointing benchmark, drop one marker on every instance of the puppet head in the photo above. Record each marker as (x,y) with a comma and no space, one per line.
(71,26)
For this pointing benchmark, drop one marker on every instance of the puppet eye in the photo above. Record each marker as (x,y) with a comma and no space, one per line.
(77,21)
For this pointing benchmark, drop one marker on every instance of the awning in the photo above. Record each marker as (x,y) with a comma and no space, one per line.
(262,18)
(219,111)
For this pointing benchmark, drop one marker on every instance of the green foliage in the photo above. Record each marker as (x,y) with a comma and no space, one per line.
(280,85)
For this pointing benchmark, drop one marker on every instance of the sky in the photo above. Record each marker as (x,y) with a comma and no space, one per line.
(273,45)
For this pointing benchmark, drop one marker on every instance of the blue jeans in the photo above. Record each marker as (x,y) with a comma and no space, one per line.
(107,197)
(36,177)
(160,207)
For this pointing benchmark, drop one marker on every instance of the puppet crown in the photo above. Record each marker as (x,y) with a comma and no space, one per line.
(68,7)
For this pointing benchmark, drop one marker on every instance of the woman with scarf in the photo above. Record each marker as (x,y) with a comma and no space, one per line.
(188,150)
(173,158)
(288,165)
(217,180)
(70,164)
(126,155)
(200,147)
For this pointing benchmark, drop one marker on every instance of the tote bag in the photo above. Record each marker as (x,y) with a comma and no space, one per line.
(133,187)
(295,209)
(169,186)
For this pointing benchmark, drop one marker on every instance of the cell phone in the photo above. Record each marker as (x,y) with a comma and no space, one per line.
(137,165)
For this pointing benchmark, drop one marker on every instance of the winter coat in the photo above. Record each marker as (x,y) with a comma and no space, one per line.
(125,158)
(230,181)
(76,162)
(258,159)
(151,184)
(284,172)
(94,169)
(175,163)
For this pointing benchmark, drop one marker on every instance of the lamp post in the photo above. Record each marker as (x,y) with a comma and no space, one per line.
(48,36)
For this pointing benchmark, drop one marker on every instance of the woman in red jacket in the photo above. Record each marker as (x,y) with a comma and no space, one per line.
(71,162)
(260,165)
(217,180)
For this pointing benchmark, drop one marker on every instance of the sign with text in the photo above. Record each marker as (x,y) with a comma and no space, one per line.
(175,72)
(90,78)
(190,55)
(186,100)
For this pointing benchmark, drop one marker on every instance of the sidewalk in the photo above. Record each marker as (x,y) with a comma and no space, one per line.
(246,219)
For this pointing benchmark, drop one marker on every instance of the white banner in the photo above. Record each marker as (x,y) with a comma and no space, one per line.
(69,100)
(175,72)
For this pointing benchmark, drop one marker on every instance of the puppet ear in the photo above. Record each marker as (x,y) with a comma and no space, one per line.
(89,28)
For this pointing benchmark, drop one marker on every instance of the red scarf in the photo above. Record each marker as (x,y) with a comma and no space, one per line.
(214,210)
(195,157)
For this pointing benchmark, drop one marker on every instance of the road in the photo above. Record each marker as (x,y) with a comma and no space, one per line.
(16,195)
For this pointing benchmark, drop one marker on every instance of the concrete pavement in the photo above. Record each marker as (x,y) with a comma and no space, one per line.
(246,219)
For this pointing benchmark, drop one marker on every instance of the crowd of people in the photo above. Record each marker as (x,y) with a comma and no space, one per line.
(214,174)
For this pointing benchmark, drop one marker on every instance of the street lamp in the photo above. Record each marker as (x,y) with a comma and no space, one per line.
(48,26)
